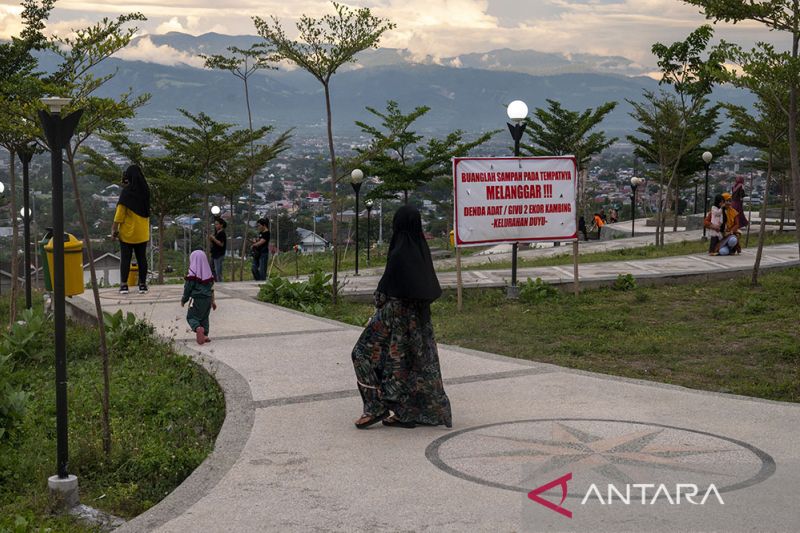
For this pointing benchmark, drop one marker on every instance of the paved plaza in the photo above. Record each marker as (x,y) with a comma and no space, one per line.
(288,457)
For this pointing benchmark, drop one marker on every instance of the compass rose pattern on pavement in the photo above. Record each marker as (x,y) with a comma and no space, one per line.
(522,455)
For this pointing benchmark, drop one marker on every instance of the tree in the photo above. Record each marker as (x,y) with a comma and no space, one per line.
(243,63)
(659,141)
(236,171)
(784,16)
(766,132)
(74,78)
(172,181)
(400,159)
(692,78)
(765,73)
(218,154)
(659,121)
(558,131)
(322,47)
(20,89)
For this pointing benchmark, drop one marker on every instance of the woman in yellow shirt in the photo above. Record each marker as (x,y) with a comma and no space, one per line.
(132,225)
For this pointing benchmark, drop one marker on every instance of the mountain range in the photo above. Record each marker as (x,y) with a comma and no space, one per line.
(467,92)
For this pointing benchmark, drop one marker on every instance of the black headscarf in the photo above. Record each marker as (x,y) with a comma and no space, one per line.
(136,195)
(409,273)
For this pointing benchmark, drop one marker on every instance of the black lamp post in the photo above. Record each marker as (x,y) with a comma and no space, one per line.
(25,153)
(58,132)
(368,204)
(635,182)
(356,177)
(707,156)
(517,111)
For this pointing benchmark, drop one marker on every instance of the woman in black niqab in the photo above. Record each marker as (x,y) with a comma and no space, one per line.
(396,359)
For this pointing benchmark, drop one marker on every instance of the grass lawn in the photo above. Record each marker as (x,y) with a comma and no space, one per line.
(165,414)
(717,336)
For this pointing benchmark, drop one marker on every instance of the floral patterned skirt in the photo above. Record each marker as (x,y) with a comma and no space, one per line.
(397,365)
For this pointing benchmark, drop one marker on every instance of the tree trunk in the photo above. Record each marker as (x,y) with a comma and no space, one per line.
(230,238)
(252,185)
(749,215)
(762,226)
(660,217)
(334,203)
(677,205)
(793,152)
(783,201)
(246,225)
(101,326)
(14,235)
(161,249)
(206,219)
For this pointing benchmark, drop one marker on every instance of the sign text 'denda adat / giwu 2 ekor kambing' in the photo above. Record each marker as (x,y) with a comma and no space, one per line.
(514,199)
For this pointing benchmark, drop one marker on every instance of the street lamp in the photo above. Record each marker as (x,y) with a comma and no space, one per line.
(635,182)
(707,156)
(517,112)
(25,154)
(356,177)
(369,203)
(58,132)
(215,210)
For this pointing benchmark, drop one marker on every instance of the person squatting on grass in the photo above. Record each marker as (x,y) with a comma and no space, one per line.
(723,227)
(132,226)
(396,361)
(731,236)
(199,288)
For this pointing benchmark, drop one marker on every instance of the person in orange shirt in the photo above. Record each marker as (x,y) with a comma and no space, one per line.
(132,226)
(598,223)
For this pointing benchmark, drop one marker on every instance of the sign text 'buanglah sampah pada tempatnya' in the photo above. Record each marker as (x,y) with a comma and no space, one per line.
(519,199)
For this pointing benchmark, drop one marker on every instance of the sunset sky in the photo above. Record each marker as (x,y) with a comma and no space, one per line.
(440,28)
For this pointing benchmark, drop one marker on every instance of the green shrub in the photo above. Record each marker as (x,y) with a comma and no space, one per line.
(624,282)
(300,295)
(754,305)
(22,344)
(126,331)
(12,400)
(533,292)
(24,341)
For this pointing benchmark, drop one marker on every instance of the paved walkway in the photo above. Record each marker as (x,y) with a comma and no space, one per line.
(289,459)
(676,268)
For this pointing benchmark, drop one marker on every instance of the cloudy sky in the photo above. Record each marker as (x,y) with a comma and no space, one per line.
(441,28)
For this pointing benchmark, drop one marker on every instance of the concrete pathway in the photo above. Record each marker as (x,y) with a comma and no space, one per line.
(547,250)
(288,457)
(648,271)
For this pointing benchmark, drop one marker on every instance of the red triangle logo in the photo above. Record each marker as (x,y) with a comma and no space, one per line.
(562,481)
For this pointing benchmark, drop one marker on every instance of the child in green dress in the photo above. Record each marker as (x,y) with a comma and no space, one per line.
(199,288)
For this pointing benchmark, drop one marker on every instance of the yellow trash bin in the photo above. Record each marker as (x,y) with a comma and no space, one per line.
(133,275)
(73,264)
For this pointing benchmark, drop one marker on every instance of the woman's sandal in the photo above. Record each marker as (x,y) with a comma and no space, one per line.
(395,423)
(373,419)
